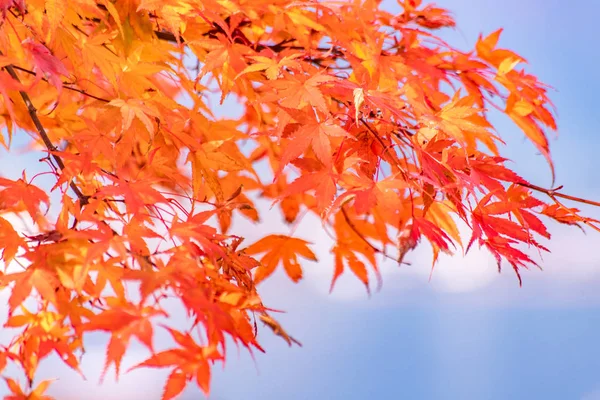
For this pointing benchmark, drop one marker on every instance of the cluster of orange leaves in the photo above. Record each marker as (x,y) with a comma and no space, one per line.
(361,117)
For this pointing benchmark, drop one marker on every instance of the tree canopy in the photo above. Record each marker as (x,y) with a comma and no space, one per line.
(366,119)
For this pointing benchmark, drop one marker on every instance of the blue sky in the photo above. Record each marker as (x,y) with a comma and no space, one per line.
(469,333)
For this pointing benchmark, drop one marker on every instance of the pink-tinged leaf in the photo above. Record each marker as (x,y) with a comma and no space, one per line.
(5,5)
(45,63)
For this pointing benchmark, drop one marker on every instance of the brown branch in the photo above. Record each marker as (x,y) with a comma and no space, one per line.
(168,36)
(83,199)
(336,53)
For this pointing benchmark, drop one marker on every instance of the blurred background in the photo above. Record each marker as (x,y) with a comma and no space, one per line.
(469,333)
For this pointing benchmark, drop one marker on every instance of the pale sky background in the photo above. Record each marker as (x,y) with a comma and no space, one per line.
(469,333)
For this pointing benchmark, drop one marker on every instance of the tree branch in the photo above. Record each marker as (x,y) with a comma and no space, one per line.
(83,199)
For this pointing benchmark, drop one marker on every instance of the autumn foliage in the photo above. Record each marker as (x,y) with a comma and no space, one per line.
(363,118)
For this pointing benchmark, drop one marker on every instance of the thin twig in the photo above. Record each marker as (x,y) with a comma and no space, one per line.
(358,233)
(554,193)
(65,85)
(368,243)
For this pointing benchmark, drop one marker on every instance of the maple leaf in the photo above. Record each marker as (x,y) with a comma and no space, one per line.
(7,84)
(196,229)
(5,5)
(55,10)
(356,266)
(10,241)
(486,49)
(300,91)
(271,66)
(564,215)
(278,330)
(136,194)
(190,361)
(432,17)
(535,134)
(131,109)
(46,64)
(280,249)
(318,136)
(123,323)
(19,196)
(36,393)
(368,194)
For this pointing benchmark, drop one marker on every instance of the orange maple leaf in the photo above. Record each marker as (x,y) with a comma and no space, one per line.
(280,249)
